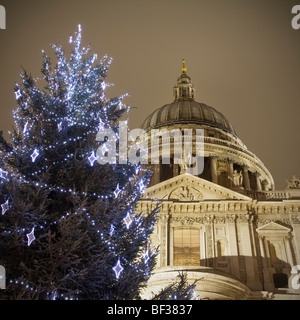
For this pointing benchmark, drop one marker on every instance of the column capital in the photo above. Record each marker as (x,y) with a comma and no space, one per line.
(164,218)
(209,218)
(261,237)
(213,156)
(231,218)
(287,237)
(230,160)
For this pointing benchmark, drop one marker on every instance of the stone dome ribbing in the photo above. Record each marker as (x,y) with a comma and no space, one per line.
(188,111)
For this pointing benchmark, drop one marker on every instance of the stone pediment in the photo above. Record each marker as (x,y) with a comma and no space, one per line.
(186,193)
(273,227)
(187,187)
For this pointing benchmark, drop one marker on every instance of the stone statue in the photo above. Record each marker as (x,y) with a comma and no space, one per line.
(237,178)
(183,167)
(294,183)
(185,164)
(184,193)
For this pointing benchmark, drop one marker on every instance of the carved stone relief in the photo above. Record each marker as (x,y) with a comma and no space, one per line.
(185,193)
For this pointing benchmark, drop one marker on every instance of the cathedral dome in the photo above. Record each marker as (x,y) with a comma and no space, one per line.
(227,161)
(187,110)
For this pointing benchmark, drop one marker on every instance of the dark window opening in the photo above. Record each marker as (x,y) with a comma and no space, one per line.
(280,280)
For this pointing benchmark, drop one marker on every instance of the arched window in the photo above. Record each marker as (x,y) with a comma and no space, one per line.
(186,246)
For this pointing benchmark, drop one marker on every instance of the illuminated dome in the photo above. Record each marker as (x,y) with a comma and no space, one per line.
(225,155)
(187,111)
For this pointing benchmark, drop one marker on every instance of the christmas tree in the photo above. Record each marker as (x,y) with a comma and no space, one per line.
(179,289)
(68,226)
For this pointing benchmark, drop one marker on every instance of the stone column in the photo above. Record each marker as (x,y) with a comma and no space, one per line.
(251,269)
(209,225)
(258,183)
(295,218)
(262,250)
(213,166)
(156,174)
(267,252)
(246,180)
(268,282)
(288,251)
(175,169)
(233,245)
(164,239)
(171,245)
(230,172)
(264,185)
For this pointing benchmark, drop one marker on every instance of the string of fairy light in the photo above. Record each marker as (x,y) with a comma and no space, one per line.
(35,153)
(118,268)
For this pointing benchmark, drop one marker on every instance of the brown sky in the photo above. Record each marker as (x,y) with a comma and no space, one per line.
(242,55)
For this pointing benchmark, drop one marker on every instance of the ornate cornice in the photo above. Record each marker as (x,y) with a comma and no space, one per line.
(210,219)
(288,212)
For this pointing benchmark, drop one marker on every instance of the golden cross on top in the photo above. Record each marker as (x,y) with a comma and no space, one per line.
(183,68)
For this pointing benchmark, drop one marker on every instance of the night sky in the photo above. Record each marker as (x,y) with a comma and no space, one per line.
(243,58)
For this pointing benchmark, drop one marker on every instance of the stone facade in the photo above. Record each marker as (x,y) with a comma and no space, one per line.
(253,243)
(227,227)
